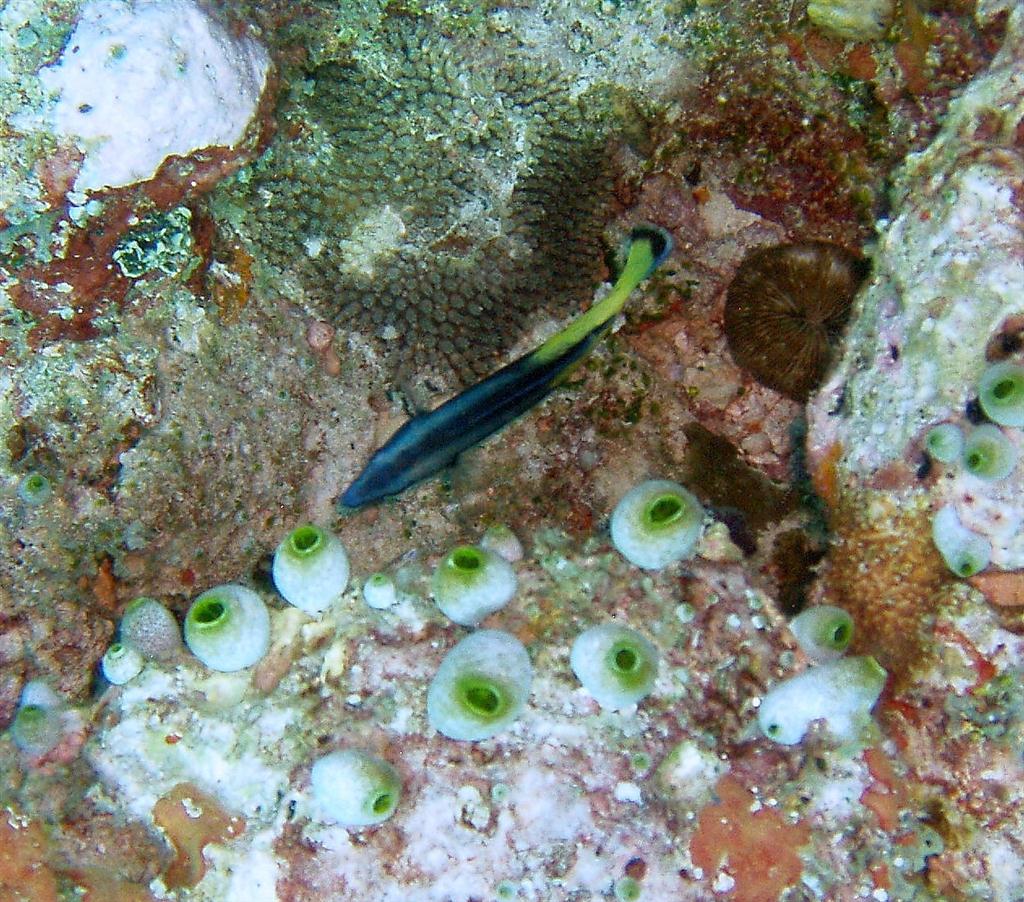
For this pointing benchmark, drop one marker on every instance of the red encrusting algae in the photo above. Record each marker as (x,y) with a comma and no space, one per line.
(757,846)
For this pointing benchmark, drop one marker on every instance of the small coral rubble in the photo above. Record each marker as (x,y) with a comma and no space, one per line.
(192,819)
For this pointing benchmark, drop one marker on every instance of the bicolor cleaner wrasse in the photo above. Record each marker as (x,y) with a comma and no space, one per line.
(429,442)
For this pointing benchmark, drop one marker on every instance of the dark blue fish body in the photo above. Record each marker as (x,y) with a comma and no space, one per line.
(431,441)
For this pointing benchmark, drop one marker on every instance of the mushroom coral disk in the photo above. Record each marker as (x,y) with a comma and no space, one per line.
(429,442)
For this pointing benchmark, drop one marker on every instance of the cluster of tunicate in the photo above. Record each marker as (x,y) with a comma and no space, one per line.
(944,443)
(1001,393)
(379,591)
(987,452)
(148,632)
(965,552)
(121,663)
(852,20)
(431,195)
(34,489)
(149,627)
(839,691)
(500,539)
(485,680)
(228,627)
(41,721)
(481,686)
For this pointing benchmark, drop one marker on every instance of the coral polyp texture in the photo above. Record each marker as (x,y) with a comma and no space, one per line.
(431,194)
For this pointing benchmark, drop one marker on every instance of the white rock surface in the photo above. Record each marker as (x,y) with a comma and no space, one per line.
(137,83)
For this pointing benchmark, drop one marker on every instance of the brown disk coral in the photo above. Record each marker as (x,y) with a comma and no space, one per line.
(785,312)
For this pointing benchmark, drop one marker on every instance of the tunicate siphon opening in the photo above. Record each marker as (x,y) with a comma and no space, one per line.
(210,611)
(664,510)
(1003,389)
(306,539)
(467,558)
(841,635)
(625,659)
(34,489)
(483,698)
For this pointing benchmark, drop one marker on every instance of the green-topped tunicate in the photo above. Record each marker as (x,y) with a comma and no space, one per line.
(965,552)
(354,788)
(228,628)
(656,523)
(34,489)
(1001,393)
(822,632)
(988,453)
(36,730)
(615,664)
(38,723)
(121,663)
(151,629)
(379,591)
(842,693)
(310,568)
(471,582)
(944,443)
(481,686)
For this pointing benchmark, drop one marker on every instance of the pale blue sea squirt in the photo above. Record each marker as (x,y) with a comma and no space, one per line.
(431,441)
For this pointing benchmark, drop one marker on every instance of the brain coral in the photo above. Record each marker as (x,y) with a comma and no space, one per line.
(429,195)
